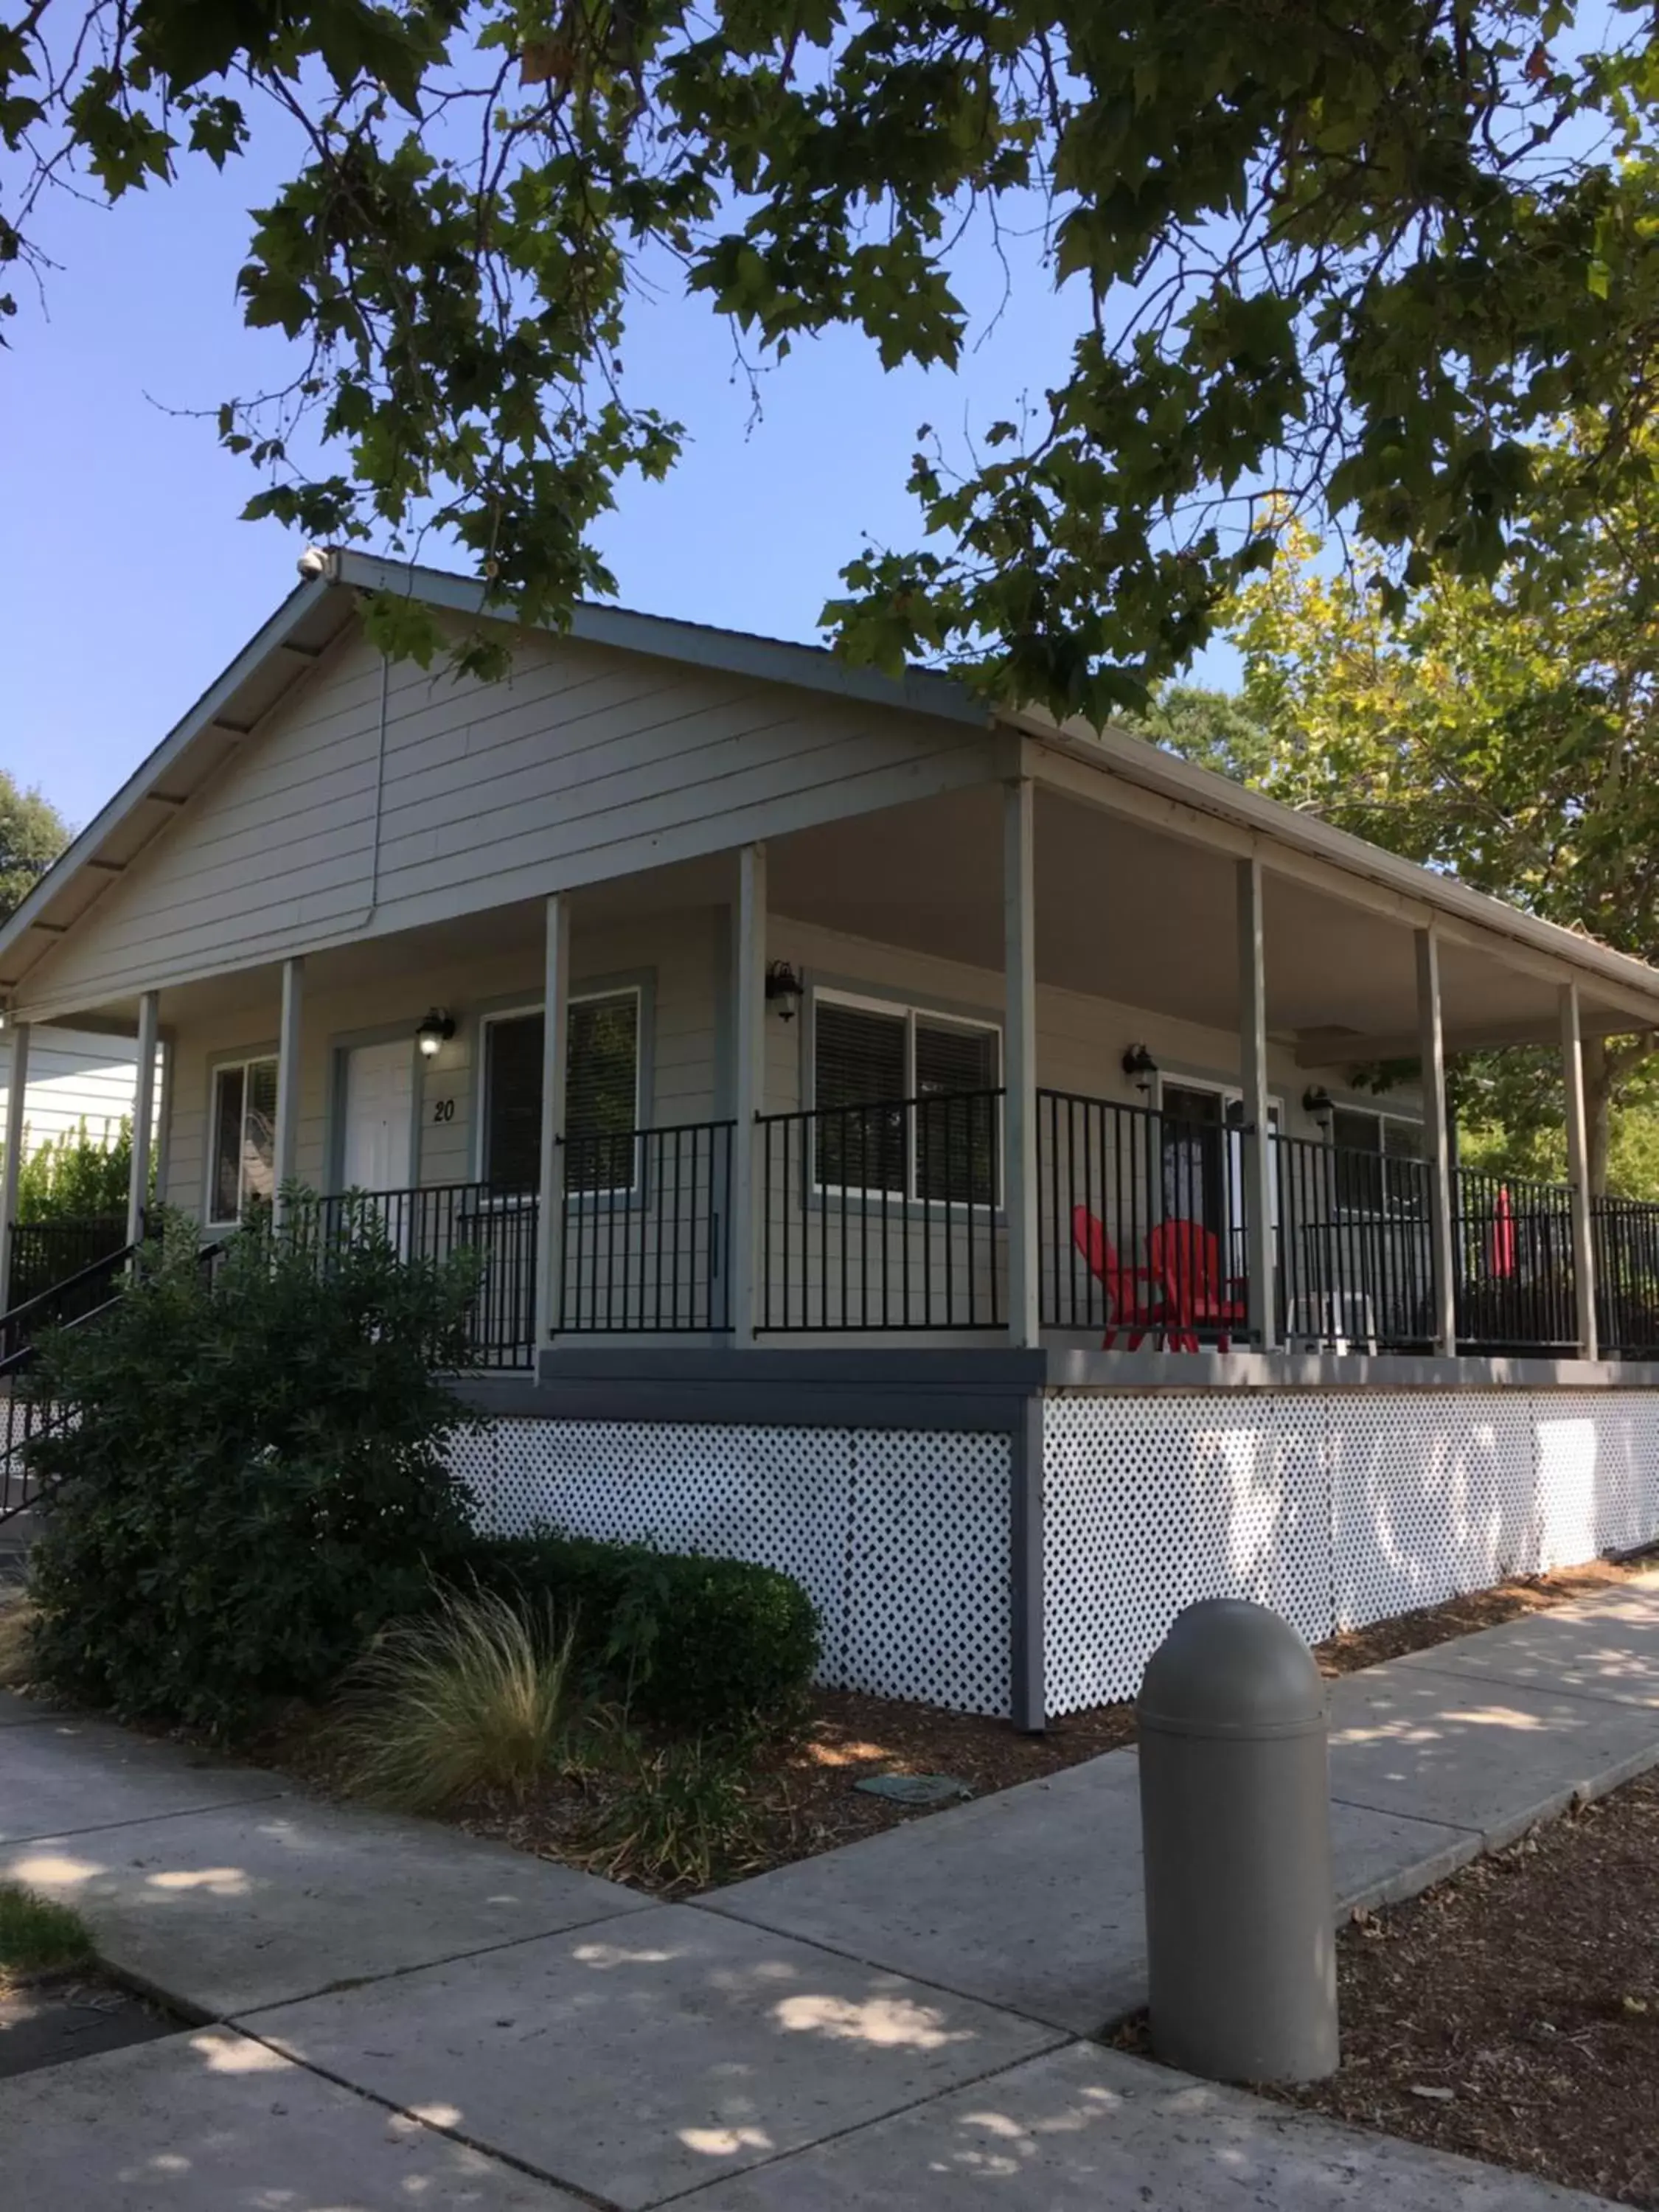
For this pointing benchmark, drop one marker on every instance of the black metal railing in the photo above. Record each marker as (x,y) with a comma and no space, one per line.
(431,1224)
(1354,1247)
(1144,1229)
(884,1215)
(1142,1219)
(46,1253)
(647,1218)
(1624,1239)
(87,1291)
(1512,1264)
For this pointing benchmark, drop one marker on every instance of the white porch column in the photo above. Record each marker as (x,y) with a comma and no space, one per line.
(1583,1243)
(17,1096)
(285,1146)
(1258,1150)
(143,1114)
(1436,1148)
(1019,1059)
(748,1093)
(555,1057)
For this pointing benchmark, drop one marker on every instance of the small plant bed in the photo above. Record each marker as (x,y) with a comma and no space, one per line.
(1488,1608)
(55,2003)
(1512,2013)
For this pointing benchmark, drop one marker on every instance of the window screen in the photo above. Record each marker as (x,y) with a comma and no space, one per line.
(228,1144)
(601,1104)
(601,1097)
(955,1118)
(895,1108)
(1358,1140)
(512,1103)
(244,1137)
(859,1059)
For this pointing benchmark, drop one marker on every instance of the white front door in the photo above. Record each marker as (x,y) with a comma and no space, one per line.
(375,1151)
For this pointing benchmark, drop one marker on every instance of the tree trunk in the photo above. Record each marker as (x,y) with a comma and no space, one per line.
(1600,1076)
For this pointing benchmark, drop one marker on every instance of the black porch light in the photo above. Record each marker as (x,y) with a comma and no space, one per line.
(434,1033)
(785,986)
(1139,1066)
(1318,1102)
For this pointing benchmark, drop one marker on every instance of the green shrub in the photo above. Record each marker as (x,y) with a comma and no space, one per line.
(716,1646)
(253,1479)
(475,1696)
(78,1176)
(684,1816)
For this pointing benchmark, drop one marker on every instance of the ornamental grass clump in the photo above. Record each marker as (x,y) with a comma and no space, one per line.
(475,1696)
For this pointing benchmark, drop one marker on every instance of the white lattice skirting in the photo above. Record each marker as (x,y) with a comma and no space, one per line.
(900,1537)
(1334,1507)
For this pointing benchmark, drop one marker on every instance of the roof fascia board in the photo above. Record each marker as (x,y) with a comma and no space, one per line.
(1204,802)
(139,786)
(766,660)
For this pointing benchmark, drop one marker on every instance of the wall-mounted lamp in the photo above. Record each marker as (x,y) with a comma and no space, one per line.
(1318,1102)
(1139,1066)
(786,986)
(434,1033)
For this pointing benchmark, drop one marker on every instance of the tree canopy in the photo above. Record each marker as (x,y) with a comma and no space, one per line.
(1360,259)
(33,834)
(1506,729)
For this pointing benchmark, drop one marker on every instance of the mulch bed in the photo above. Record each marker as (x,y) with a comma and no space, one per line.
(803,1797)
(1513,2012)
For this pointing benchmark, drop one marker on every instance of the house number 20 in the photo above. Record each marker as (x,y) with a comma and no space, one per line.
(443,1109)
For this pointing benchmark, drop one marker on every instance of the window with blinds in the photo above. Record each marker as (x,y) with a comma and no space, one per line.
(244,1137)
(1372,1150)
(601,1103)
(906,1102)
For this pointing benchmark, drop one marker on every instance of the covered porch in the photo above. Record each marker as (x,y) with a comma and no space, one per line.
(1094,1061)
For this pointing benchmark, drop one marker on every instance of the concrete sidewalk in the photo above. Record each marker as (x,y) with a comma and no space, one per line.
(395,2013)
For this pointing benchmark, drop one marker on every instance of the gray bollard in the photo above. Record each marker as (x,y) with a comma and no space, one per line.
(1235,1815)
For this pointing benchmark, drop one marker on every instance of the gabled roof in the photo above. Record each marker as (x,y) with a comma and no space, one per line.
(281,653)
(312,617)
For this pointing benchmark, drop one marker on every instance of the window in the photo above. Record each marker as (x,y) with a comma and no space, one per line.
(602,1101)
(244,1137)
(905,1101)
(1372,1173)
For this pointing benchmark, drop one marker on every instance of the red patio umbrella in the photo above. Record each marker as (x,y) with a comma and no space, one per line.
(1502,1233)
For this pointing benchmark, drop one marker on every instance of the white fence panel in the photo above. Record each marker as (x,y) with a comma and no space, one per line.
(900,1537)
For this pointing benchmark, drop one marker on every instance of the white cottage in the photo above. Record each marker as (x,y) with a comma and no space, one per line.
(912,1143)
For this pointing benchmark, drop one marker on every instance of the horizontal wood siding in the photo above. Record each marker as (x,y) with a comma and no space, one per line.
(77,1079)
(588,764)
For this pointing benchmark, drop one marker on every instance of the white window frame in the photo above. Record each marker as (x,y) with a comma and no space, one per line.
(628,1193)
(220,1069)
(911,1011)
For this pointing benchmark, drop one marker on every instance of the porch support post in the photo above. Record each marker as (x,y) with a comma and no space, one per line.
(748,1094)
(285,1148)
(1583,1243)
(16,1104)
(143,1114)
(1028,1706)
(1437,1146)
(556,1057)
(1258,1151)
(1019,1059)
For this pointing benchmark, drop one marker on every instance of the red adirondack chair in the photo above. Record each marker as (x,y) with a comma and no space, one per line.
(1186,1259)
(1131,1292)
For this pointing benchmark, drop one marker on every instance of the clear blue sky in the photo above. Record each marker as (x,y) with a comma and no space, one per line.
(127,581)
